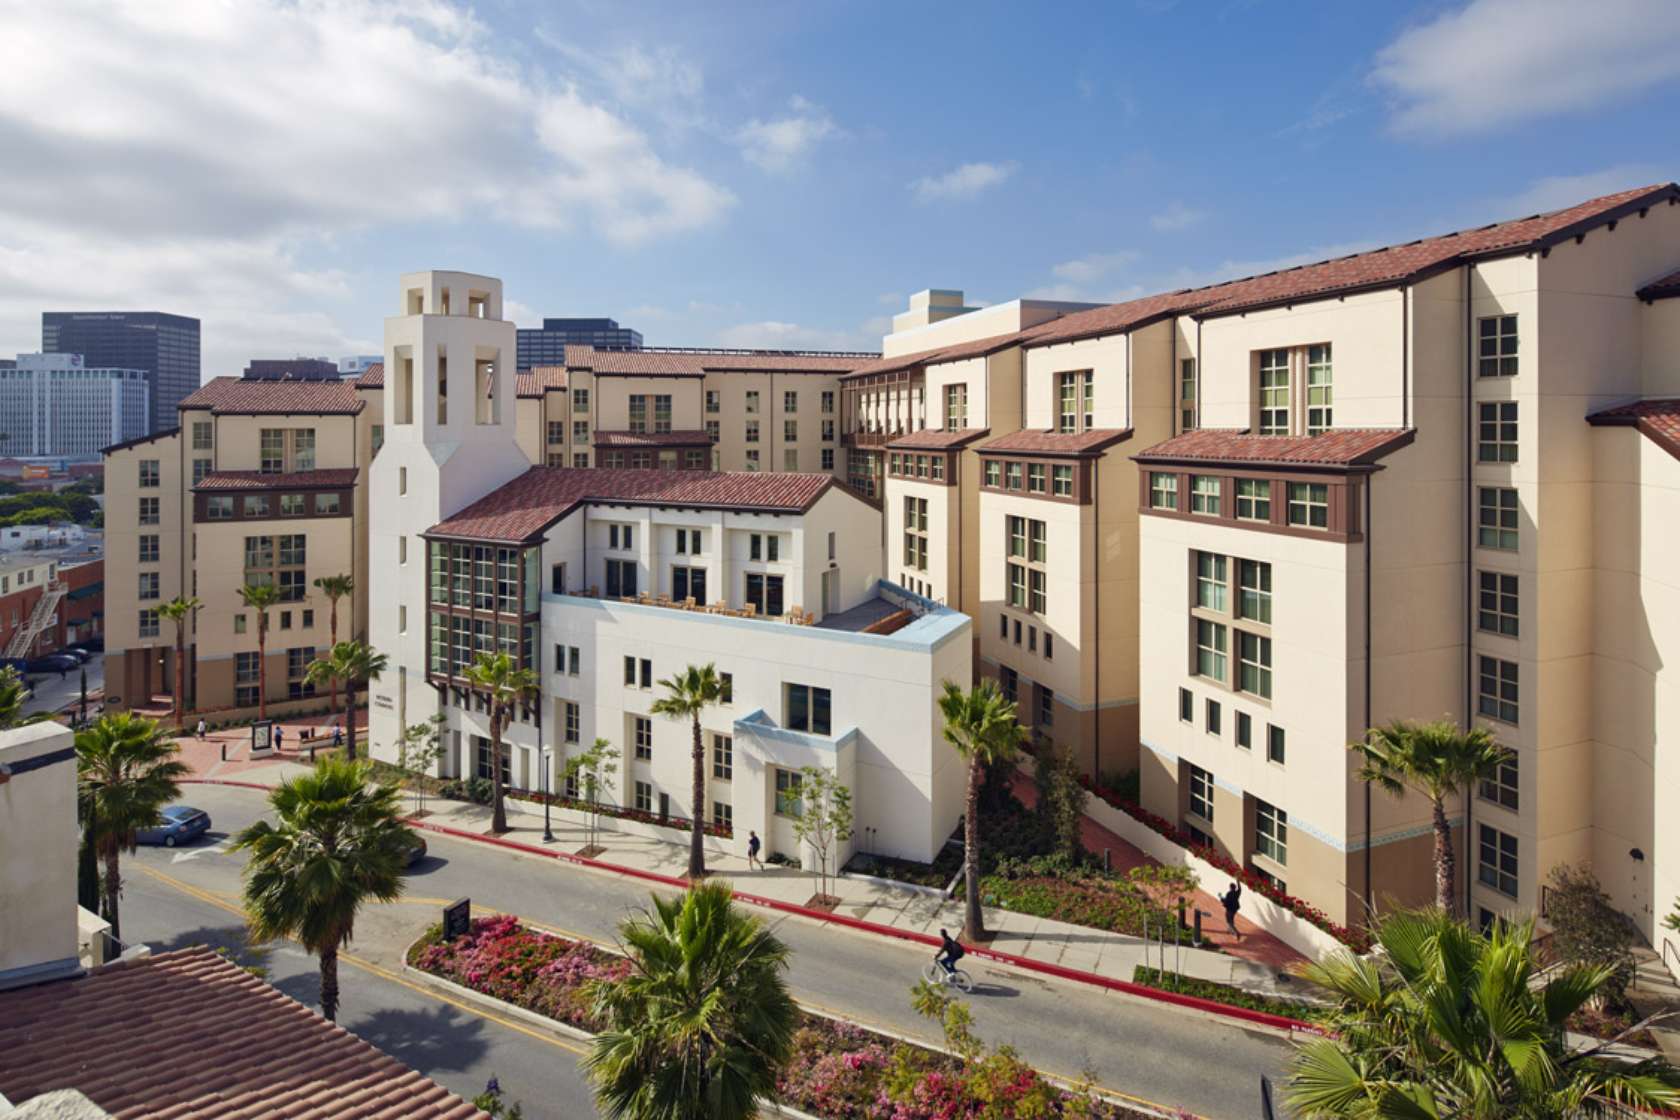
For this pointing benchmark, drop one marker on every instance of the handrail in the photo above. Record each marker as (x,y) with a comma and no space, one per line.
(1668,948)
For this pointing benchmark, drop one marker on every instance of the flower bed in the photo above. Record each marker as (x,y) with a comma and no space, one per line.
(1229,995)
(837,1070)
(1048,887)
(1354,938)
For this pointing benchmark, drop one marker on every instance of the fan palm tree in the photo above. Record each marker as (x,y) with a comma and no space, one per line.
(13,695)
(687,695)
(334,588)
(127,771)
(1448,1022)
(503,684)
(1438,760)
(983,726)
(336,843)
(703,1024)
(176,611)
(348,662)
(261,598)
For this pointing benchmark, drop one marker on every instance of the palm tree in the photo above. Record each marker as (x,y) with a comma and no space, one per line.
(1450,1022)
(13,695)
(336,843)
(335,588)
(982,725)
(176,611)
(702,1025)
(687,695)
(349,662)
(261,598)
(1438,760)
(503,683)
(127,772)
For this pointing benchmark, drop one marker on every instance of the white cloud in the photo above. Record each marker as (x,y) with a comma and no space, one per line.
(1175,217)
(771,334)
(1083,270)
(275,127)
(962,182)
(1495,62)
(1557,191)
(661,79)
(781,143)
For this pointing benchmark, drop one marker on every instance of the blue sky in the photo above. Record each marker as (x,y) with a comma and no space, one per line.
(777,175)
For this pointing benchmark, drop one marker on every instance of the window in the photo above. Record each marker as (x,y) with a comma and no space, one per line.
(1027,580)
(726,690)
(621,536)
(303,449)
(1274,392)
(245,668)
(556,432)
(635,671)
(1497,518)
(765,593)
(1009,681)
(148,624)
(1075,395)
(1210,649)
(828,431)
(291,505)
(1186,706)
(148,472)
(1254,499)
(789,803)
(1061,481)
(1275,746)
(1245,731)
(1254,598)
(200,470)
(1254,664)
(1497,613)
(643,738)
(644,797)
(688,583)
(1049,646)
(217,507)
(1204,494)
(149,586)
(1210,581)
(752,431)
(994,473)
(1319,391)
(580,459)
(1496,689)
(915,533)
(723,813)
(828,400)
(1497,346)
(752,402)
(790,400)
(326,505)
(580,400)
(1496,864)
(1215,718)
(723,757)
(808,709)
(1271,832)
(1186,394)
(271,443)
(827,460)
(956,407)
(1496,432)
(149,511)
(203,436)
(1309,504)
(256,505)
(239,623)
(1163,490)
(580,431)
(790,431)
(1046,707)
(1012,474)
(790,459)
(1201,792)
(1501,789)
(572,720)
(378,437)
(309,619)
(148,548)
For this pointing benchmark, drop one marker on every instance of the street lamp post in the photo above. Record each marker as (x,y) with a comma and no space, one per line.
(547,758)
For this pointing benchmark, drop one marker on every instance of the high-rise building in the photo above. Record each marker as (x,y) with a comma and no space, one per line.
(165,346)
(546,346)
(357,364)
(293,369)
(54,404)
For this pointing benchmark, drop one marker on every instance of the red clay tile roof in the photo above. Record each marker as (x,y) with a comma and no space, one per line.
(542,495)
(652,439)
(190,1036)
(1657,420)
(1113,319)
(937,439)
(1056,444)
(539,380)
(373,377)
(1341,447)
(1666,288)
(978,348)
(698,362)
(331,479)
(236,395)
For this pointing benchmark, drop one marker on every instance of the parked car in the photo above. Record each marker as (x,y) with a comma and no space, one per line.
(416,853)
(81,655)
(54,663)
(95,644)
(180,824)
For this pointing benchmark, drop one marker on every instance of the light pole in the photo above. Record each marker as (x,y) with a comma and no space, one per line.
(548,833)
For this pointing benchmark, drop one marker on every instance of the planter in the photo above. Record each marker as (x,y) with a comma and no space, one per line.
(665,834)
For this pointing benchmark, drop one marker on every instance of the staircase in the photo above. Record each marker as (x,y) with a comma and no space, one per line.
(44,615)
(1653,990)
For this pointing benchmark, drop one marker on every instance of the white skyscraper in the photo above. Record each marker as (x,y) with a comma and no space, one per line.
(52,404)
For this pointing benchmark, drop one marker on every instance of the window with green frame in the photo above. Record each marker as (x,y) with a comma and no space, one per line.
(1163,490)
(1309,504)
(1274,392)
(1204,494)
(1254,499)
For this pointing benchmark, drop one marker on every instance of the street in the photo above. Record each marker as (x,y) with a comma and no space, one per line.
(1131,1046)
(52,694)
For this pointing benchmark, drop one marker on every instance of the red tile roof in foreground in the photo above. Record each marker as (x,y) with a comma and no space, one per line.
(937,439)
(190,1036)
(238,396)
(1666,288)
(697,362)
(1056,444)
(1657,420)
(373,377)
(1341,447)
(332,479)
(542,495)
(653,439)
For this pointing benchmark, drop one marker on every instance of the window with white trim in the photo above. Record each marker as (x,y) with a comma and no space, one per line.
(1274,392)
(1496,518)
(1501,788)
(1496,432)
(1163,490)
(1271,833)
(1496,861)
(1205,492)
(1319,389)
(1496,346)
(1187,394)
(1076,401)
(1309,504)
(1496,689)
(1201,792)
(915,533)
(1497,603)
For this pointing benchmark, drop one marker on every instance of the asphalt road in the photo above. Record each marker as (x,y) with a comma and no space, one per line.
(52,694)
(1130,1046)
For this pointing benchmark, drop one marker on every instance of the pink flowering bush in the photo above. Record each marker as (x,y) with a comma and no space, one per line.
(524,967)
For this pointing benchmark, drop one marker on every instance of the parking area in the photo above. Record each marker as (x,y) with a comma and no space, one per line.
(59,691)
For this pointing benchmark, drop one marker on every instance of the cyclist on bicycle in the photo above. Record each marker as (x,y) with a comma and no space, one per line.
(949,953)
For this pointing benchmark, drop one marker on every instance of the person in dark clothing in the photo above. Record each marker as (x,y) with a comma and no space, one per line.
(338,736)
(949,952)
(1232,898)
(753,846)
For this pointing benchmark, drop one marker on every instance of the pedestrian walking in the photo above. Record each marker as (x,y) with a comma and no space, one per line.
(279,736)
(200,731)
(338,736)
(1232,898)
(753,846)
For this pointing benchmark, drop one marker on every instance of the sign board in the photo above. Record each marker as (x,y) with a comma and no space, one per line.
(262,738)
(457,919)
(382,701)
(36,470)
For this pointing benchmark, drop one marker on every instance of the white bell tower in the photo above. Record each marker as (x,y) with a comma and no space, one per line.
(450,418)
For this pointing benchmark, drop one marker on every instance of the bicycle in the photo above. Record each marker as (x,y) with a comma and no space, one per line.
(935,973)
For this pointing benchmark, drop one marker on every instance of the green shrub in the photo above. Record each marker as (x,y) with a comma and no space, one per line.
(1227,994)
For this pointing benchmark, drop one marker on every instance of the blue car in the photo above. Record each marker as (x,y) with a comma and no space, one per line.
(181,823)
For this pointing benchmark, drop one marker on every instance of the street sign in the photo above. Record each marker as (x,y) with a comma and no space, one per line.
(457,919)
(262,738)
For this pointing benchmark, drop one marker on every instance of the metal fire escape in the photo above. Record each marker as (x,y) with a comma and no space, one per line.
(43,616)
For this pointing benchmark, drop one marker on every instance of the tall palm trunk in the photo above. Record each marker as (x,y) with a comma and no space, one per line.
(329,983)
(332,687)
(180,677)
(974,926)
(1445,896)
(113,887)
(498,812)
(349,719)
(262,665)
(697,826)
